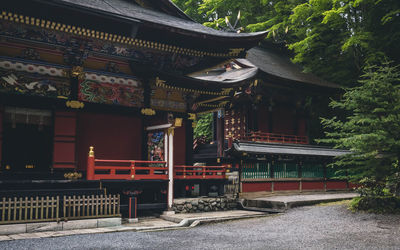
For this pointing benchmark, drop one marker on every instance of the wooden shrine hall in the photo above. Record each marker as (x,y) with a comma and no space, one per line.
(267,129)
(98,100)
(96,105)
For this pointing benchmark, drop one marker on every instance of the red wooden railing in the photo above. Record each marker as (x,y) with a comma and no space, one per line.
(199,172)
(99,169)
(271,137)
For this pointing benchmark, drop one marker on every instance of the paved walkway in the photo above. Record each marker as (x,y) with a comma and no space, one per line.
(146,224)
(283,202)
(176,221)
(309,197)
(212,216)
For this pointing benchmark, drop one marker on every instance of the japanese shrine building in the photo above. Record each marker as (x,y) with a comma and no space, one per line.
(98,99)
(112,75)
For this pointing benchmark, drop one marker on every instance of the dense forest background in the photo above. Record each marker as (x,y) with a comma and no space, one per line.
(354,43)
(331,38)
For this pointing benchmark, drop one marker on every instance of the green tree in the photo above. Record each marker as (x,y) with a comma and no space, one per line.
(203,127)
(371,130)
(334,39)
(190,7)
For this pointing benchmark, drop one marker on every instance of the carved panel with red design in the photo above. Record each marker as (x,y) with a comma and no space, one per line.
(235,123)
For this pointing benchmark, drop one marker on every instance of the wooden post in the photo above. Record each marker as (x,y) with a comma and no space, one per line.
(230,140)
(90,165)
(220,133)
(132,207)
(188,142)
(170,133)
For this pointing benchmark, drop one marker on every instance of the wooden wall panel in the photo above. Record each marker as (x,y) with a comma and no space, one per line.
(256,187)
(180,145)
(312,185)
(334,185)
(263,119)
(64,140)
(302,127)
(114,137)
(283,121)
(1,132)
(286,185)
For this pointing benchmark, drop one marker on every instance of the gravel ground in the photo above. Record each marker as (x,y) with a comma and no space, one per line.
(314,227)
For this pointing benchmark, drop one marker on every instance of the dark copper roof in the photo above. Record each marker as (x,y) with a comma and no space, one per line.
(287,149)
(130,10)
(279,65)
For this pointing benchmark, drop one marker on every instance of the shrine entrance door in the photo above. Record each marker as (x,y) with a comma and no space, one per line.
(27,141)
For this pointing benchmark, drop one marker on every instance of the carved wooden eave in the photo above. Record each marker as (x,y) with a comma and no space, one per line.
(125,21)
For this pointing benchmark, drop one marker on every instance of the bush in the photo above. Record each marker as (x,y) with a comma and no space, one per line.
(376,204)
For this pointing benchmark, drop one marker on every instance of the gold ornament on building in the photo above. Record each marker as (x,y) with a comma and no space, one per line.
(170,131)
(129,41)
(192,116)
(75,104)
(148,111)
(91,152)
(178,122)
(77,71)
(73,175)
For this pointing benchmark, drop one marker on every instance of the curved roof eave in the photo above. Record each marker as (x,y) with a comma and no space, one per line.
(129,11)
(279,65)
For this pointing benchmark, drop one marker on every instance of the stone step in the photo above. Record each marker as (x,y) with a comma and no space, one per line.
(283,203)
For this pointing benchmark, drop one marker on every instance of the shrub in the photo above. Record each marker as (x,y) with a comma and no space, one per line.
(377,204)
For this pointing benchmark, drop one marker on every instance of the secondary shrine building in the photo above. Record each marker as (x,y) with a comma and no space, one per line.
(98,100)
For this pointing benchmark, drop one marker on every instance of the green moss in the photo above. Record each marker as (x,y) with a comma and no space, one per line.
(376,204)
(333,203)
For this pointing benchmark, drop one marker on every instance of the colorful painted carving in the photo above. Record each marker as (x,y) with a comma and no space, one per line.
(33,84)
(112,79)
(41,69)
(155,145)
(76,50)
(170,100)
(108,93)
(168,105)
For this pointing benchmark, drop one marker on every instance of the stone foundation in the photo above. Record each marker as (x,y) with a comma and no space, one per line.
(198,205)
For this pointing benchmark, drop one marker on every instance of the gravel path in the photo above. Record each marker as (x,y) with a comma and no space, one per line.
(316,227)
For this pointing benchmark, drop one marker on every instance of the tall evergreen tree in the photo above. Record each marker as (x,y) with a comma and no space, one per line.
(371,129)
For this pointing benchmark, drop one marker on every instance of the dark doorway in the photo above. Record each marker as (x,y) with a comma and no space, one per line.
(27,142)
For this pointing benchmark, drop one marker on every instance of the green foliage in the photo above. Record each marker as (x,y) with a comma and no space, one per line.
(371,130)
(377,204)
(334,39)
(190,7)
(204,127)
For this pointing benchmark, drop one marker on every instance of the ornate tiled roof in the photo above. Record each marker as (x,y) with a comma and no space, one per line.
(130,10)
(278,64)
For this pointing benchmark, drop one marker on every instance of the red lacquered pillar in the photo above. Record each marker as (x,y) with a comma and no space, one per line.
(90,165)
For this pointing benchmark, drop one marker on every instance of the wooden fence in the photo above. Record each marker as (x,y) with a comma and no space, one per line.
(40,209)
(77,207)
(271,137)
(16,210)
(199,172)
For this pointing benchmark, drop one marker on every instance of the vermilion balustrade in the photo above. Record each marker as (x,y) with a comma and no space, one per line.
(271,137)
(99,169)
(199,172)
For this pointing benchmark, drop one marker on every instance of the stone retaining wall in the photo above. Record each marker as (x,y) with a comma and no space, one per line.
(197,205)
